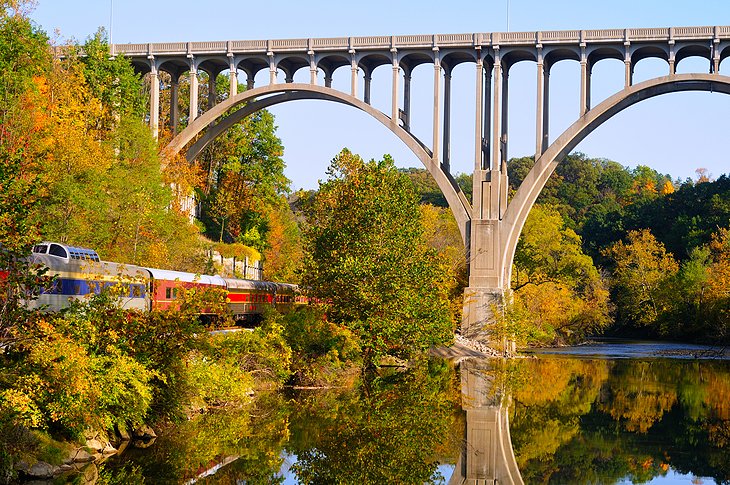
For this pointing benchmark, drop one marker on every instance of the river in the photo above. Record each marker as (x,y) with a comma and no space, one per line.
(606,413)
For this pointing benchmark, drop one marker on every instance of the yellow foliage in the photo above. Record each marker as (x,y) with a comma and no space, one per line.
(667,188)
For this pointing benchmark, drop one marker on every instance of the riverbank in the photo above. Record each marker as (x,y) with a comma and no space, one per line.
(637,349)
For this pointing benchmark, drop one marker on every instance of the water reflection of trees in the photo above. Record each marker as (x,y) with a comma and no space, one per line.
(580,421)
(391,429)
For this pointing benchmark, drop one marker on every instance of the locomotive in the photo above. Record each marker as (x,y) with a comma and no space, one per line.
(80,272)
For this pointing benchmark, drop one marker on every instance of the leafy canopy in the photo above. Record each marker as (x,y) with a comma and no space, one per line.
(366,257)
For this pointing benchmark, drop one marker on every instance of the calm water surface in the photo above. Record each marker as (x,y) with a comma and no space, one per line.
(585,416)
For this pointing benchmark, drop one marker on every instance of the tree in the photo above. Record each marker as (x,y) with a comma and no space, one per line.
(556,285)
(365,257)
(641,277)
(245,186)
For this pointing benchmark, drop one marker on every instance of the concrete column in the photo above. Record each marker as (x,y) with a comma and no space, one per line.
(488,457)
(716,57)
(327,79)
(288,77)
(589,76)
(447,121)
(478,161)
(154,103)
(250,81)
(353,79)
(583,87)
(312,69)
(233,82)
(193,113)
(407,100)
(272,68)
(505,115)
(629,73)
(366,90)
(539,107)
(487,129)
(546,111)
(394,94)
(174,103)
(497,116)
(212,89)
(437,112)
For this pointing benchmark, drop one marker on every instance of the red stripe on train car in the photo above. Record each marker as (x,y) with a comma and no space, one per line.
(238,297)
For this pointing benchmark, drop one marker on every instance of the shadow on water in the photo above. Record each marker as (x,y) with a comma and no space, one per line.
(553,419)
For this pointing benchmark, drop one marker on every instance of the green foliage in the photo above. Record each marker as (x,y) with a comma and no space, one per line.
(321,350)
(62,382)
(604,422)
(245,182)
(264,352)
(217,382)
(559,294)
(367,259)
(643,270)
(397,421)
(112,81)
(121,476)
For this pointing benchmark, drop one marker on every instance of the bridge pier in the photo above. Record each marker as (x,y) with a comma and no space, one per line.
(487,456)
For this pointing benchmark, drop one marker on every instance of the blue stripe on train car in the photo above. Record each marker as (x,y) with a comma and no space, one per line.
(75,286)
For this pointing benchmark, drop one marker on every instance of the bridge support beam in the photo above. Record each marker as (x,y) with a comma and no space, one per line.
(155,103)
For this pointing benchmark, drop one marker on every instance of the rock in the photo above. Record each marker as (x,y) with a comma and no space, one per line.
(122,446)
(122,434)
(108,449)
(22,466)
(144,432)
(41,469)
(94,445)
(90,473)
(83,456)
(66,468)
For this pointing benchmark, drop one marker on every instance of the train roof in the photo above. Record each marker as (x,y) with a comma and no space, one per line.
(237,284)
(168,275)
(65,251)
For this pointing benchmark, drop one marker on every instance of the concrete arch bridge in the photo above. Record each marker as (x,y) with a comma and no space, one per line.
(490,223)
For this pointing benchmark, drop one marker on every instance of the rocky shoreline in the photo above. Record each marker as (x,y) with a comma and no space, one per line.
(84,460)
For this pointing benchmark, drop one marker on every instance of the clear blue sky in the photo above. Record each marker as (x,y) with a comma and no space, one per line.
(674,134)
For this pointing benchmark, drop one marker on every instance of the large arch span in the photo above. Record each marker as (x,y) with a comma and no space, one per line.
(218,119)
(524,199)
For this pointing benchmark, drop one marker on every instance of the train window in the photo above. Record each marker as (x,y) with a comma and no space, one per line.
(136,291)
(57,250)
(168,293)
(40,248)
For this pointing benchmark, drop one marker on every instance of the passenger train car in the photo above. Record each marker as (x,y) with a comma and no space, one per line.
(80,272)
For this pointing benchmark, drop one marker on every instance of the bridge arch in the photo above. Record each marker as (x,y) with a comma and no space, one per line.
(214,122)
(524,199)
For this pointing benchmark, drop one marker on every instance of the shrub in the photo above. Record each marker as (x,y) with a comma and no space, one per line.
(321,349)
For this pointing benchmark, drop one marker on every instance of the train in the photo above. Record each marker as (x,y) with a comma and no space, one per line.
(79,272)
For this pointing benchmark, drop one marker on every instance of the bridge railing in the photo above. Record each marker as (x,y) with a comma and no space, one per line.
(465,40)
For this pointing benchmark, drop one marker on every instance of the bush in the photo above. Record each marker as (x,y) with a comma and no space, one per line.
(322,350)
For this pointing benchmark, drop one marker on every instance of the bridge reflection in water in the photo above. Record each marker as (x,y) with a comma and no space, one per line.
(486,456)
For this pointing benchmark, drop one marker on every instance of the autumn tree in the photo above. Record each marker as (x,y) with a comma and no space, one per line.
(559,293)
(641,276)
(365,256)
